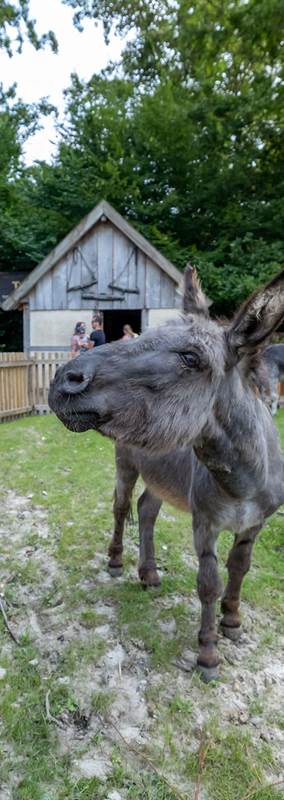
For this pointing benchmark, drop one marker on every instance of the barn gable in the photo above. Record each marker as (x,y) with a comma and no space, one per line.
(104,262)
(104,269)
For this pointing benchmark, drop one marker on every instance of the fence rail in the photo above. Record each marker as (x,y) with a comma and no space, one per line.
(25,380)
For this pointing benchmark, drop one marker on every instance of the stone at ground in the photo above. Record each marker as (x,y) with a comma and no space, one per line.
(94,766)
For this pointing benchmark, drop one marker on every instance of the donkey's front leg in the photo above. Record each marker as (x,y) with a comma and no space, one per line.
(238,565)
(148,508)
(126,478)
(209,589)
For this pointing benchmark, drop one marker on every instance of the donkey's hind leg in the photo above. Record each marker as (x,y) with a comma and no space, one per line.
(238,565)
(126,477)
(148,508)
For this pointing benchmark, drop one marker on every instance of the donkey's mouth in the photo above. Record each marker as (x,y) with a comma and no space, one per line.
(81,421)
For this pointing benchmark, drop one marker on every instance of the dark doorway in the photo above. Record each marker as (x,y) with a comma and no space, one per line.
(115,320)
(11,331)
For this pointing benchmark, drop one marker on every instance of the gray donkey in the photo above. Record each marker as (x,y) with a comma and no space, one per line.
(273,358)
(181,405)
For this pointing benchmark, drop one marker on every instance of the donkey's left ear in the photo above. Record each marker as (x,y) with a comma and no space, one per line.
(194,299)
(257,318)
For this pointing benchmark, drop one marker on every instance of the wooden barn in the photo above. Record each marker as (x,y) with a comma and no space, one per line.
(103,264)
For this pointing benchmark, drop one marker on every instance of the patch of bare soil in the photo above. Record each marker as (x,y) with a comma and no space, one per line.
(249,694)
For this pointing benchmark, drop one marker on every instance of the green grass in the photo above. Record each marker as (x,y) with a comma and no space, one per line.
(71,477)
(26,729)
(230,767)
(101,702)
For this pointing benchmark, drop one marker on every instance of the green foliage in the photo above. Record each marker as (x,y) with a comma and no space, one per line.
(186,140)
(15,19)
(18,121)
(206,133)
(187,143)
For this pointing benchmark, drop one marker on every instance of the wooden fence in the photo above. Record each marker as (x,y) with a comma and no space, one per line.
(25,380)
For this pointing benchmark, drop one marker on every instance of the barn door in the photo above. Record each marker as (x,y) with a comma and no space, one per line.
(115,320)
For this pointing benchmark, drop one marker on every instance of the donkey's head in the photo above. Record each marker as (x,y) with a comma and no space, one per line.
(158,392)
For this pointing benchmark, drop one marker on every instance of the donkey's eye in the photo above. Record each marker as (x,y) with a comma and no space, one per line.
(191,360)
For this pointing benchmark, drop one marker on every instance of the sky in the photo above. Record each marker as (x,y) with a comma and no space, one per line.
(44,74)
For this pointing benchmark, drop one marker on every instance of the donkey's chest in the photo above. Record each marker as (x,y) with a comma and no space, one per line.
(169,495)
(169,477)
(239,516)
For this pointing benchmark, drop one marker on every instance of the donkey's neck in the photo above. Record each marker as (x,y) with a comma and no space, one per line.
(234,445)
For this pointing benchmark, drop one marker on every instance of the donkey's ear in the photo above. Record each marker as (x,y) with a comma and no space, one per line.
(259,316)
(194,300)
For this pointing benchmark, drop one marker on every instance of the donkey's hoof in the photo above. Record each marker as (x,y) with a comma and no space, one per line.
(115,572)
(149,579)
(208,673)
(231,633)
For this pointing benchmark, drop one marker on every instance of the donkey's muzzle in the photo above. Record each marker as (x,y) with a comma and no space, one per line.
(74,382)
(71,380)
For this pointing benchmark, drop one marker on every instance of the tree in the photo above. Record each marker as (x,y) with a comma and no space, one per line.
(18,121)
(186,140)
(227,41)
(15,19)
(207,89)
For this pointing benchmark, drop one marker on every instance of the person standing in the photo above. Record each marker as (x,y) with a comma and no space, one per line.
(128,333)
(79,340)
(97,337)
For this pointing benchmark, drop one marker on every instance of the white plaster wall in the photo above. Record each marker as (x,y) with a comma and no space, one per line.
(55,328)
(157,316)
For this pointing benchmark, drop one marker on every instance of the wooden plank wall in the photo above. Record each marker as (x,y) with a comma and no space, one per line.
(109,255)
(25,381)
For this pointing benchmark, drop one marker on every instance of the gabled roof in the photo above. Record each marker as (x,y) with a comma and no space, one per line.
(102,209)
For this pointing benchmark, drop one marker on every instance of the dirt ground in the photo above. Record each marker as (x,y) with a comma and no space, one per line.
(252,675)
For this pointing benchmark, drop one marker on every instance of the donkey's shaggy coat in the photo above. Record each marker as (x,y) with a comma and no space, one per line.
(181,406)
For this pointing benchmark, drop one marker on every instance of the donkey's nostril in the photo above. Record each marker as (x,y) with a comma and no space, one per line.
(75,377)
(75,382)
